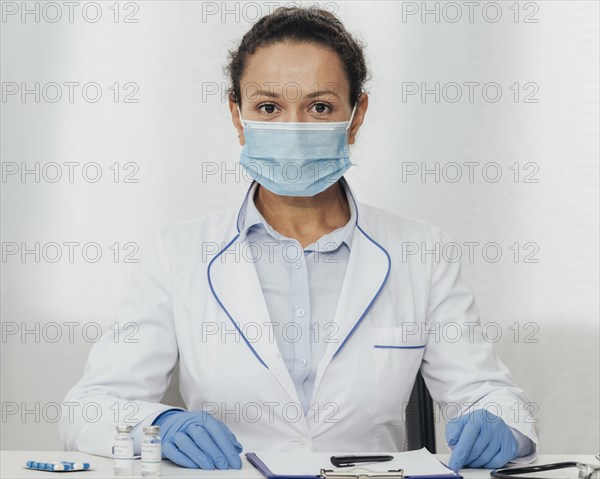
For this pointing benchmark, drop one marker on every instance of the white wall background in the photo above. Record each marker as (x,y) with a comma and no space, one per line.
(175,56)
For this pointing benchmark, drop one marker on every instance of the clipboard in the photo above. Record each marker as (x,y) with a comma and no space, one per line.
(331,474)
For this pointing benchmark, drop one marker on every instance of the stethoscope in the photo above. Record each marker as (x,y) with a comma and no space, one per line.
(586,471)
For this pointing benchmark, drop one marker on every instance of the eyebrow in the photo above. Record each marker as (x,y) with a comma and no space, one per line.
(313,94)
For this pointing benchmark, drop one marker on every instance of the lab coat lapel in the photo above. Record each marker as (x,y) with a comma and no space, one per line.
(235,285)
(366,274)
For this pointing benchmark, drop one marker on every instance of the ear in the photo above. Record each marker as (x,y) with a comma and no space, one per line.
(235,118)
(359,116)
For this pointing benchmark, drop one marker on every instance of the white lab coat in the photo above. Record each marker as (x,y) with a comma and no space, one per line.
(195,279)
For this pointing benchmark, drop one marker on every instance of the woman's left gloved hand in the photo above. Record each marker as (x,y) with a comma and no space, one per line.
(480,439)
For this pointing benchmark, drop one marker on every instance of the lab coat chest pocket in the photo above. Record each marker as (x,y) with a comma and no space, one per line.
(396,356)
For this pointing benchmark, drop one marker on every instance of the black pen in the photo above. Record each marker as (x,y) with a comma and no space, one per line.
(347,461)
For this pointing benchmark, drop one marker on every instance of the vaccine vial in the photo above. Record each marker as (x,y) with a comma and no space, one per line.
(123,451)
(151,452)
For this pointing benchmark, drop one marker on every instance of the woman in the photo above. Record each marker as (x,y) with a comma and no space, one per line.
(301,318)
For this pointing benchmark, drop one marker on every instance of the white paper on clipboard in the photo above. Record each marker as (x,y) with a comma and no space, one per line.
(414,463)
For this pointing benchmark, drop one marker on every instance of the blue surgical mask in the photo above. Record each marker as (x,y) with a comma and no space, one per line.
(296,158)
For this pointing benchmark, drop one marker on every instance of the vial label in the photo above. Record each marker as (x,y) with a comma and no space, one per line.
(123,449)
(151,452)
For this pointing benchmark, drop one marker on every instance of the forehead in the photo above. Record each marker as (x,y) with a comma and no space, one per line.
(285,65)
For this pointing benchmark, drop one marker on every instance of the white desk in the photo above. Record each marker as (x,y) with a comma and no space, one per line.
(12,467)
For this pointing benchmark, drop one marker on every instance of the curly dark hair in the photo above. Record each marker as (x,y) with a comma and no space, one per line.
(300,25)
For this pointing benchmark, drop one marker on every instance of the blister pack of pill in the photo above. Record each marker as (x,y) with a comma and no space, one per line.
(58,466)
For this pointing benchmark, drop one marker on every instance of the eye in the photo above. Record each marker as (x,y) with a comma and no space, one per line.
(322,107)
(269,108)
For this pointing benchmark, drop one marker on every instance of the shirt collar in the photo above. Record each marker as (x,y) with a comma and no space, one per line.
(249,216)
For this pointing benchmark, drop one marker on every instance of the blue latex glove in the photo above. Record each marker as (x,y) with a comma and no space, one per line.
(195,439)
(480,439)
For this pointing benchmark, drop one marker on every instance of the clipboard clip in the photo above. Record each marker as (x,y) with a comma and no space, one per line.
(391,474)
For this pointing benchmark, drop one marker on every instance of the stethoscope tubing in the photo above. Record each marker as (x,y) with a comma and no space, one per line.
(510,473)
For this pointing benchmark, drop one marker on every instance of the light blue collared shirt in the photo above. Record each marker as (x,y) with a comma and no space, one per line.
(301,288)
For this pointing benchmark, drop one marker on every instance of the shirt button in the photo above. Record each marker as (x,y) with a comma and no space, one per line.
(300,313)
(302,362)
(297,264)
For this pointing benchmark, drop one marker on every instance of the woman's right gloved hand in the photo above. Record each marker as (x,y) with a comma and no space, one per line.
(195,439)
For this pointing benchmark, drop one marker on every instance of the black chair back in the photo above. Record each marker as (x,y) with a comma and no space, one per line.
(419,418)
